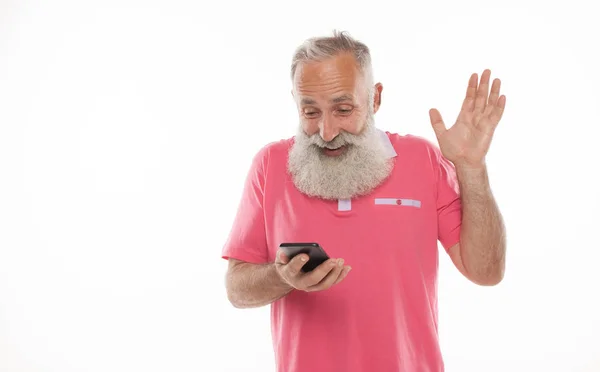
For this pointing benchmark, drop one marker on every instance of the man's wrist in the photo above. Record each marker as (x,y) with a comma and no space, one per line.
(472,176)
(280,282)
(479,168)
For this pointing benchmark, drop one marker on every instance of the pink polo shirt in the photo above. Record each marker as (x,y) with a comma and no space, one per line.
(383,316)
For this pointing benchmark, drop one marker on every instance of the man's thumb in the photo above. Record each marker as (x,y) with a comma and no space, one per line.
(436,122)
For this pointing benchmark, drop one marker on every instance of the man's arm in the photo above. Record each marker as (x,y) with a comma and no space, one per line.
(480,255)
(254,285)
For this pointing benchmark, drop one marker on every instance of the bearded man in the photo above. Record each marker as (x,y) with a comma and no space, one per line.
(378,203)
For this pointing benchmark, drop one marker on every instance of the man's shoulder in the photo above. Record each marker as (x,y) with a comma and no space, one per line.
(280,146)
(272,153)
(276,149)
(409,143)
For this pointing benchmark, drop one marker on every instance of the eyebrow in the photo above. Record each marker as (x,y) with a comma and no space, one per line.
(342,98)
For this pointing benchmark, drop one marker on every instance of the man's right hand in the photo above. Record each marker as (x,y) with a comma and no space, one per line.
(324,276)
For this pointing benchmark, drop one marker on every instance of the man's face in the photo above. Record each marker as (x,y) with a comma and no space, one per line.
(331,97)
(337,153)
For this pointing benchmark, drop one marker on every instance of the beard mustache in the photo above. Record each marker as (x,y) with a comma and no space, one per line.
(363,166)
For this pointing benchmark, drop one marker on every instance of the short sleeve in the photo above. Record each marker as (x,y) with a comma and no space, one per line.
(449,211)
(247,237)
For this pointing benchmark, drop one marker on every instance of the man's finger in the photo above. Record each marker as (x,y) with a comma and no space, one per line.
(320,272)
(282,258)
(295,265)
(328,280)
(493,100)
(469,102)
(498,110)
(482,91)
(343,274)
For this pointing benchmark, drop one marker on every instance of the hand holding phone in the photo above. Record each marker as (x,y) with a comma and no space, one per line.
(306,266)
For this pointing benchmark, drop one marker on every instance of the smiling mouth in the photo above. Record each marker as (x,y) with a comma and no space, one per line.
(335,151)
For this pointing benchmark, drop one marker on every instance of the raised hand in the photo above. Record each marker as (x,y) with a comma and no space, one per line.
(467,142)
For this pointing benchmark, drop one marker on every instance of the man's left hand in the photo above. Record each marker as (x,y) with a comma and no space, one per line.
(467,142)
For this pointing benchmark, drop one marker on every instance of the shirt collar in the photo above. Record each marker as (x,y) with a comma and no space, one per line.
(391,152)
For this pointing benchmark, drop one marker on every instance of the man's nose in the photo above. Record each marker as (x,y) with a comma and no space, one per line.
(328,129)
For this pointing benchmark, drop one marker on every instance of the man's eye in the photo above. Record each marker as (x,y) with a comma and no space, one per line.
(344,112)
(311,114)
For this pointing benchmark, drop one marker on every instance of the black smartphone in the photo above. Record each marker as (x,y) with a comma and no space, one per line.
(315,252)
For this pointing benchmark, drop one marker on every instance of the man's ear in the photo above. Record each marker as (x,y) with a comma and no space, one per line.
(377,100)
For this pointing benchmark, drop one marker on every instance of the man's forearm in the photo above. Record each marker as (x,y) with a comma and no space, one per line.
(254,285)
(483,236)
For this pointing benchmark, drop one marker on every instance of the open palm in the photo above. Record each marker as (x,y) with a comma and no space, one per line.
(468,140)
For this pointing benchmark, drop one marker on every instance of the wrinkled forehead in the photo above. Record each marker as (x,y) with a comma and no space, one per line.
(331,76)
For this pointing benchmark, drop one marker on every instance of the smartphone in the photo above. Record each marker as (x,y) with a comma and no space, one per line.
(315,252)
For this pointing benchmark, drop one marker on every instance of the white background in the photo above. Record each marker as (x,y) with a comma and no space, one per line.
(127,128)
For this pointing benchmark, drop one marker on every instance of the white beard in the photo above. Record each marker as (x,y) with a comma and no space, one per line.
(363,166)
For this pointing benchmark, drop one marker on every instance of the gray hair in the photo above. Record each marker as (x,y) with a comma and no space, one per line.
(321,48)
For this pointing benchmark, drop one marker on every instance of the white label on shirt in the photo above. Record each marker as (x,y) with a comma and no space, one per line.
(344,205)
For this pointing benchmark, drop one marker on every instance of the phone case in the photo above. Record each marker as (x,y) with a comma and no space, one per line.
(316,253)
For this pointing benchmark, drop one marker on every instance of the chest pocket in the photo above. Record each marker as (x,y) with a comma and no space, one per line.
(399,217)
(398,202)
